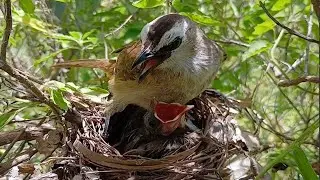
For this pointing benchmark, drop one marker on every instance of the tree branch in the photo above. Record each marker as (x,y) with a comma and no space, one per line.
(291,31)
(28,134)
(20,76)
(293,82)
(6,34)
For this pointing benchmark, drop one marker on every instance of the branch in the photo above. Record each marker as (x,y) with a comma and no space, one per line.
(6,34)
(291,31)
(230,41)
(16,137)
(120,27)
(20,76)
(28,134)
(293,82)
(316,7)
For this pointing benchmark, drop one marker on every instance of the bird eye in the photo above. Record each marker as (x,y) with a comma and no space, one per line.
(172,45)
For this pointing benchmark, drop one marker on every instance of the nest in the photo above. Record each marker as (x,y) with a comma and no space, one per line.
(134,149)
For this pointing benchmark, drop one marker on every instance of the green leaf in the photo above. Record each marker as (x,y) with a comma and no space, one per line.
(87,34)
(303,164)
(27,6)
(76,35)
(43,59)
(99,90)
(148,3)
(7,117)
(255,48)
(59,100)
(201,19)
(305,135)
(280,4)
(263,27)
(185,6)
(36,24)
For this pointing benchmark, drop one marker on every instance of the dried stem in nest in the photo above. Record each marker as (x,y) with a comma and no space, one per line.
(191,154)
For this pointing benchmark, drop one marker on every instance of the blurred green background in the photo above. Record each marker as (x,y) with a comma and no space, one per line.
(260,54)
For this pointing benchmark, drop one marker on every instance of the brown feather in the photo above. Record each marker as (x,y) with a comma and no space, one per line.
(103,64)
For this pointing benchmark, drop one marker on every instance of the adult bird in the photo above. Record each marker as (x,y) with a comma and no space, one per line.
(173,62)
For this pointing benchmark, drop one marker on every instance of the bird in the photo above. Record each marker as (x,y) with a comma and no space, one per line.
(172,62)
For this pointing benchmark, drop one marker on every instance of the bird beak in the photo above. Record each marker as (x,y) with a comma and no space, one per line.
(170,116)
(148,61)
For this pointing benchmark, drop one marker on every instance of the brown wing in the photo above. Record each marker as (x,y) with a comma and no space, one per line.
(107,66)
(120,68)
(125,60)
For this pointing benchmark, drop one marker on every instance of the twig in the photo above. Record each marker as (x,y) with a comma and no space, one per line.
(6,34)
(230,41)
(306,62)
(168,6)
(120,27)
(293,82)
(22,134)
(291,31)
(286,97)
(316,7)
(20,76)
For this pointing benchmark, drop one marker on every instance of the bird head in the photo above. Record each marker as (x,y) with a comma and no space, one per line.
(165,40)
(170,115)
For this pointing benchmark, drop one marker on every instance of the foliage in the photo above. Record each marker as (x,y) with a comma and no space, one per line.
(260,54)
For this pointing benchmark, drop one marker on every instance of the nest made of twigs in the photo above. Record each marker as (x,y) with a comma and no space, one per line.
(135,150)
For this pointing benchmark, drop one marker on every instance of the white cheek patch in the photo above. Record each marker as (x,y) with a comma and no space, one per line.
(178,30)
(145,30)
(144,33)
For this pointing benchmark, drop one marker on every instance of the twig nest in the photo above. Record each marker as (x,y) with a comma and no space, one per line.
(135,149)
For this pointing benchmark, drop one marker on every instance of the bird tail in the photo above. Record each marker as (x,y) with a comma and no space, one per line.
(107,66)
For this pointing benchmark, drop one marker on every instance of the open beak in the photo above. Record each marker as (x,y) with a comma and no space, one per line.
(148,61)
(170,115)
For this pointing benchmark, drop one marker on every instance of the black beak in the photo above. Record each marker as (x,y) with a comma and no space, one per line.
(144,56)
(149,61)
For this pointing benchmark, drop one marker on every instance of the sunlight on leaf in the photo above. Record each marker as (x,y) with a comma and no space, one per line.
(148,3)
(255,48)
(27,6)
(36,24)
(303,164)
(280,4)
(201,19)
(57,98)
(43,59)
(76,35)
(263,27)
(5,118)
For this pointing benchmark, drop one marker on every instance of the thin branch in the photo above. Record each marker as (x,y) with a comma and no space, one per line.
(168,6)
(120,27)
(286,97)
(230,41)
(291,31)
(20,76)
(6,34)
(28,134)
(293,82)
(306,62)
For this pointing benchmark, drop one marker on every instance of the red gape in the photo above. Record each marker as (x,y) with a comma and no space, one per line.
(170,115)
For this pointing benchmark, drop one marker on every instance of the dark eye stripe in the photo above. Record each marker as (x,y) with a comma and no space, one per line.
(172,46)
